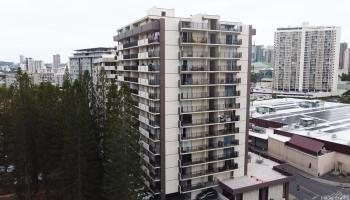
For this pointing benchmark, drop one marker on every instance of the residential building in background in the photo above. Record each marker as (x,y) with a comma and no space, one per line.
(56,60)
(83,60)
(307,59)
(344,58)
(269,55)
(189,80)
(21,59)
(258,53)
(261,53)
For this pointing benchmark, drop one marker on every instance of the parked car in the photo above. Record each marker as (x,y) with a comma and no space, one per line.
(208,194)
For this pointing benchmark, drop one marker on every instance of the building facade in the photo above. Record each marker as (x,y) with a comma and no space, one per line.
(56,60)
(189,80)
(307,58)
(83,60)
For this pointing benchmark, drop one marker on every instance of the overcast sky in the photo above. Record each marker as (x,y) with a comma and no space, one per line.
(40,28)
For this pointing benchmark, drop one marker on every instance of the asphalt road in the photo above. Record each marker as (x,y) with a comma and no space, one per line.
(310,189)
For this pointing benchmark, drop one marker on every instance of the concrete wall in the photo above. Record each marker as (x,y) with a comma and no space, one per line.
(326,163)
(302,160)
(277,149)
(345,160)
(251,195)
(276,192)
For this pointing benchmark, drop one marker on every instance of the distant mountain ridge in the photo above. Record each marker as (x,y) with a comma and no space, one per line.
(3,63)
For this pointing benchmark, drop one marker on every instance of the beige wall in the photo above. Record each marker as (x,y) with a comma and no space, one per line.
(251,195)
(302,160)
(276,149)
(319,165)
(345,159)
(326,163)
(276,192)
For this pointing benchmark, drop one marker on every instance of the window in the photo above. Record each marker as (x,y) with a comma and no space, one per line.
(163,14)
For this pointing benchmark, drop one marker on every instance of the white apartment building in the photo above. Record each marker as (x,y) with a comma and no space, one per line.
(307,59)
(83,60)
(56,60)
(189,80)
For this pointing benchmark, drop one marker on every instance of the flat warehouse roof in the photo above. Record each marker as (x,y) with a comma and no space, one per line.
(328,121)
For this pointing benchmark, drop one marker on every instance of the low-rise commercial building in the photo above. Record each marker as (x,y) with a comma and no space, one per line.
(311,135)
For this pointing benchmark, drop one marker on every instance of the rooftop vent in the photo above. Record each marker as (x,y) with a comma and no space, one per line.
(334,136)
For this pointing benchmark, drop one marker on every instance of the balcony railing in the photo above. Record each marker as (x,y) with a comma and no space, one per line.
(209,171)
(199,54)
(131,67)
(193,25)
(187,188)
(235,28)
(153,40)
(201,108)
(205,159)
(225,68)
(131,79)
(198,40)
(204,81)
(153,95)
(130,56)
(153,54)
(195,68)
(196,135)
(154,109)
(130,44)
(204,147)
(154,81)
(209,121)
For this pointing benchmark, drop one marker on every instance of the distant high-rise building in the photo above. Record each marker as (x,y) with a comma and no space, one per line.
(269,54)
(29,65)
(343,48)
(307,58)
(83,60)
(38,65)
(56,61)
(21,59)
(258,53)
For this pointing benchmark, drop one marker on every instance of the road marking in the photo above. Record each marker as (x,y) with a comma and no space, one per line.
(315,195)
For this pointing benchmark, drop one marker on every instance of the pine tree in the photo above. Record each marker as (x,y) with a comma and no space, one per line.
(123,173)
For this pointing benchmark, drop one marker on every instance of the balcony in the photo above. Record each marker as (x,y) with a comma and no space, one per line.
(194,54)
(197,135)
(154,109)
(153,95)
(130,44)
(203,121)
(230,28)
(193,25)
(213,170)
(187,188)
(214,81)
(195,68)
(153,54)
(195,40)
(131,79)
(153,40)
(200,95)
(187,109)
(206,147)
(203,108)
(130,56)
(225,68)
(154,81)
(206,159)
(131,67)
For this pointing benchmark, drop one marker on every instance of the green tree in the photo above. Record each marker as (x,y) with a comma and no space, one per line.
(122,160)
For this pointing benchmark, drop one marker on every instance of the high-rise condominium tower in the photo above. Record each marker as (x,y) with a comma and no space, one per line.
(307,58)
(189,80)
(56,61)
